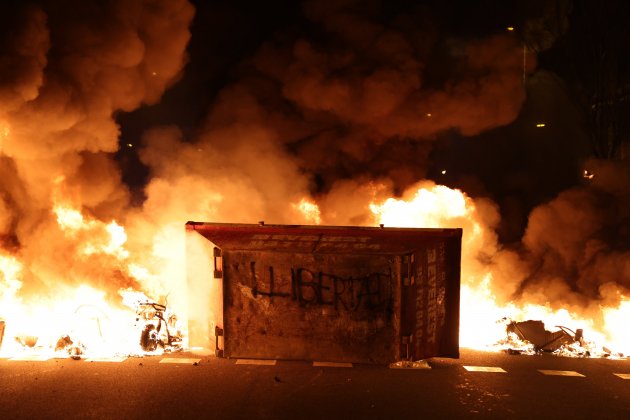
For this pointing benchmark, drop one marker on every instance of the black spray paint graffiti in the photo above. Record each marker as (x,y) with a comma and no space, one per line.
(372,291)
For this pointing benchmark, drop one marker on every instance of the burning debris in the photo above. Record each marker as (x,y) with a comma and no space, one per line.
(531,337)
(543,340)
(160,328)
(27,341)
(158,325)
(96,330)
(74,350)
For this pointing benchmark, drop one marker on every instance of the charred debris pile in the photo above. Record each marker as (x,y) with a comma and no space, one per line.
(531,337)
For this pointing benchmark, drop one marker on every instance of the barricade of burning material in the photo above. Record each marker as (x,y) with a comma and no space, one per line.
(531,337)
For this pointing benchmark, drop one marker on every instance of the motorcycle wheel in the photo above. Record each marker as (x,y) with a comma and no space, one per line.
(148,338)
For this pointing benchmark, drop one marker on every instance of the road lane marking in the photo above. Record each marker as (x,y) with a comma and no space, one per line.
(561,373)
(30,358)
(332,364)
(623,375)
(180,360)
(484,369)
(112,359)
(256,362)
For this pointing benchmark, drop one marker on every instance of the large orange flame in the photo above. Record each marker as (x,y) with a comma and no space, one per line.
(80,318)
(437,206)
(100,327)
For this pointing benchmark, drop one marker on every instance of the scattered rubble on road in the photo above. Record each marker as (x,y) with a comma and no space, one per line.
(409,364)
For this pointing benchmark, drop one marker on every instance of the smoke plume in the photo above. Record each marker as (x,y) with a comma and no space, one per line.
(346,100)
(579,242)
(63,76)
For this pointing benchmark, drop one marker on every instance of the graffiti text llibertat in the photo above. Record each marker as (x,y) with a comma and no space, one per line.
(309,287)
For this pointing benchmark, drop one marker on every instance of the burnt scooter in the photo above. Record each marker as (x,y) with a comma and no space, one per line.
(156,331)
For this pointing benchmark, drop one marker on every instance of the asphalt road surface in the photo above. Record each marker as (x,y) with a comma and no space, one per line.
(185,385)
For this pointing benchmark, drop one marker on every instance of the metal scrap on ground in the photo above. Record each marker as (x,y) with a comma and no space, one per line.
(531,337)
(543,340)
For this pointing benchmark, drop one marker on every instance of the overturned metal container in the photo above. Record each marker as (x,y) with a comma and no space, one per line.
(344,294)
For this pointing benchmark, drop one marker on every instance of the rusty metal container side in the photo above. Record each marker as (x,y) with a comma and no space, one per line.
(310,307)
(1,332)
(344,294)
(430,301)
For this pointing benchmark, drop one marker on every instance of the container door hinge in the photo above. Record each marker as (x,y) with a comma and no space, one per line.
(218,348)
